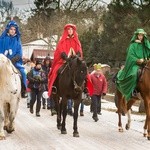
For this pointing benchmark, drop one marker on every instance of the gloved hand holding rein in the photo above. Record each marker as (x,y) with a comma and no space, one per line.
(15,59)
(66,58)
(141,62)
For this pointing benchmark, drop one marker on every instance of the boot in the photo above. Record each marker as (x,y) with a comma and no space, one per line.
(23,91)
(81,113)
(31,110)
(37,114)
(53,112)
(134,94)
(43,107)
(70,112)
(54,89)
(95,118)
(28,105)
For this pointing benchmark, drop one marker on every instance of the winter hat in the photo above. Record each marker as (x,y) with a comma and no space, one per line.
(38,62)
(97,67)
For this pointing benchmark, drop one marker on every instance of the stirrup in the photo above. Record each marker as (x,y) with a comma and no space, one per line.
(54,89)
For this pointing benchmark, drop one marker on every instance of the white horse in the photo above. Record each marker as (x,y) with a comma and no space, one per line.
(10,94)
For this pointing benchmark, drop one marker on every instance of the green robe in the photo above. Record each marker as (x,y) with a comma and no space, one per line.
(127,78)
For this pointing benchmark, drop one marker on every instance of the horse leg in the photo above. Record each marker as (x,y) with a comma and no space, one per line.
(6,115)
(120,103)
(129,105)
(147,108)
(75,117)
(64,111)
(129,119)
(145,127)
(2,135)
(59,111)
(12,115)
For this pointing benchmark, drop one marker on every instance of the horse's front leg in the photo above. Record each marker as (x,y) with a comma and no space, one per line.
(129,119)
(6,115)
(59,111)
(2,135)
(64,109)
(75,117)
(120,123)
(13,110)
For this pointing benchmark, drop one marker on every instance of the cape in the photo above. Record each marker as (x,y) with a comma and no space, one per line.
(127,78)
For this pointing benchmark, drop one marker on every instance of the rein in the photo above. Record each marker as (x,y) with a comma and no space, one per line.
(76,86)
(146,67)
(143,71)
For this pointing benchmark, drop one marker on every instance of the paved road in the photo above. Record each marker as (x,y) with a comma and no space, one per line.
(33,133)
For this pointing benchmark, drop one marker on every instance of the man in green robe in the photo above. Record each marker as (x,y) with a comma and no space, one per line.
(137,54)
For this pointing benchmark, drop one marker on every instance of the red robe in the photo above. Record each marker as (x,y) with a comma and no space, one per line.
(65,44)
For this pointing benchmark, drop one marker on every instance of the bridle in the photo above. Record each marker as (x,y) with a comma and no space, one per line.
(76,86)
(146,67)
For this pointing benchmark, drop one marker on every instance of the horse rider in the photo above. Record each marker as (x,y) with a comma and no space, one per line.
(10,46)
(137,55)
(68,45)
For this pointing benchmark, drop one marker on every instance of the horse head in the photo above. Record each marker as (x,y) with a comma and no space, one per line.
(78,71)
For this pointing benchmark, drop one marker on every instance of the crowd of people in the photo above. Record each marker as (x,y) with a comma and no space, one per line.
(39,77)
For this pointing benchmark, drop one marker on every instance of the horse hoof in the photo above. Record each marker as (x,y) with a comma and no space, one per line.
(127,127)
(9,130)
(120,129)
(5,128)
(75,134)
(59,127)
(2,138)
(63,132)
(144,134)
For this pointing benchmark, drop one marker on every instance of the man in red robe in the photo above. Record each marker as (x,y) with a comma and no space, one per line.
(68,45)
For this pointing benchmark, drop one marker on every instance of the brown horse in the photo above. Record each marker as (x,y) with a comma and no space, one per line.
(144,89)
(69,85)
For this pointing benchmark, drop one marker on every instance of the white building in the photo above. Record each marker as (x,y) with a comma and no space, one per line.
(40,48)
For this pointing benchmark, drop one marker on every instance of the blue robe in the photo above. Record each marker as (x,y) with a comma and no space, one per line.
(11,46)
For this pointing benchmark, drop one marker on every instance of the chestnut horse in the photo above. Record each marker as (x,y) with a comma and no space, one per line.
(144,89)
(69,85)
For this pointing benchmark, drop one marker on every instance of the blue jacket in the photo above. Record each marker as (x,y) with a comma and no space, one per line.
(11,45)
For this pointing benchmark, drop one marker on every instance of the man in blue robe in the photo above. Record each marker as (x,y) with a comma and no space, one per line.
(10,46)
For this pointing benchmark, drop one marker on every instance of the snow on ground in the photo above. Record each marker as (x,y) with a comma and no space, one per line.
(40,133)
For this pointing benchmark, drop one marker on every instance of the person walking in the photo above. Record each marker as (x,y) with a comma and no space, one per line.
(37,80)
(99,89)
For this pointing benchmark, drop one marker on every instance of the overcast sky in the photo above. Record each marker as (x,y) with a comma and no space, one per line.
(25,4)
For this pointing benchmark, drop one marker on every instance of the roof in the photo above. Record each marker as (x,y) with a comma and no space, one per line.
(40,53)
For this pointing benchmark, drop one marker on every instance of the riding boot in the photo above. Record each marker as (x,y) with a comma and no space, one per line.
(23,91)
(54,89)
(135,94)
